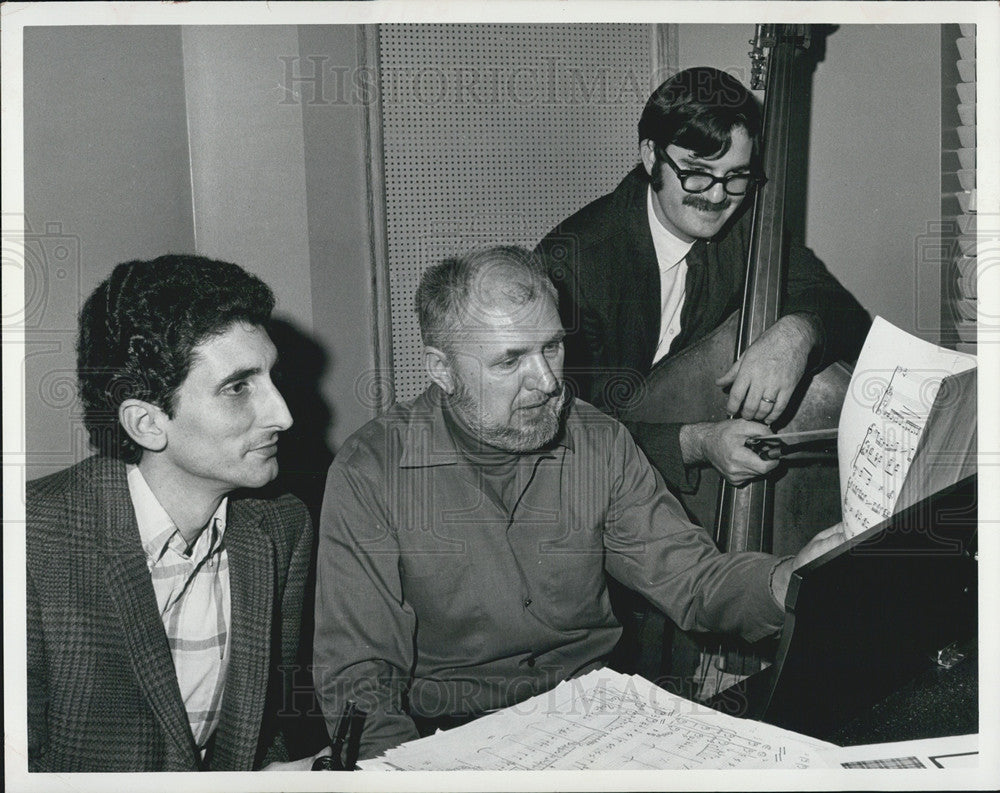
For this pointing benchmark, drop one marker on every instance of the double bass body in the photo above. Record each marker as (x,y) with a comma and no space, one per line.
(682,390)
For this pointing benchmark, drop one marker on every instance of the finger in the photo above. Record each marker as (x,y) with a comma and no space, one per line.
(765,406)
(738,478)
(762,467)
(732,458)
(730,375)
(768,404)
(740,475)
(752,404)
(737,394)
(833,531)
(740,471)
(748,465)
(780,403)
(751,429)
(825,541)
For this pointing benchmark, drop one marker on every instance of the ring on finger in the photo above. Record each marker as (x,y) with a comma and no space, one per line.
(766,399)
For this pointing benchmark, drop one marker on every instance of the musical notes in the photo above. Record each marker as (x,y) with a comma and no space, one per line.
(872,486)
(907,399)
(605,720)
(892,391)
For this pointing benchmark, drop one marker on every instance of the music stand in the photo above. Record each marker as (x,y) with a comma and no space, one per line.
(875,612)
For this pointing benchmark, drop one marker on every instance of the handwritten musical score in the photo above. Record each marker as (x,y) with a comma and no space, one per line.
(605,720)
(893,388)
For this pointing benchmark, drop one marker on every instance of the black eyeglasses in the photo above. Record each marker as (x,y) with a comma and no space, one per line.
(699,181)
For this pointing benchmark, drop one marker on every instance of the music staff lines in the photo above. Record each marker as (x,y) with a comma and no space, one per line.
(606,720)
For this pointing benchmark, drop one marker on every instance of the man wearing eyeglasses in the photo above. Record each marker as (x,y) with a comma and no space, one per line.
(653,267)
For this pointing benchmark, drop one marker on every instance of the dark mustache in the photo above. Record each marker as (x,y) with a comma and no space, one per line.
(703,203)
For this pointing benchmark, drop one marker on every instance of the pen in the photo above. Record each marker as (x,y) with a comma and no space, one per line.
(354,738)
(338,739)
(349,728)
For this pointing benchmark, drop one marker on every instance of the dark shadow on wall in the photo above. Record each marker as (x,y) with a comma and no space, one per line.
(303,453)
(303,460)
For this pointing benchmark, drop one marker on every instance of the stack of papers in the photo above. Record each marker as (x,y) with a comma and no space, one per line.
(605,720)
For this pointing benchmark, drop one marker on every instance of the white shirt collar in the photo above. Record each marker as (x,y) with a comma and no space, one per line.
(670,249)
(155,525)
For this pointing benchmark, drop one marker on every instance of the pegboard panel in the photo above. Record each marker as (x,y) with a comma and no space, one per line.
(493,134)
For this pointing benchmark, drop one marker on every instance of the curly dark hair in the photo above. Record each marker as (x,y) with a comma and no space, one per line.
(138,330)
(698,109)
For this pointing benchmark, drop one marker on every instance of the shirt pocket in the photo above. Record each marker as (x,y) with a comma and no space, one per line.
(441,589)
(570,577)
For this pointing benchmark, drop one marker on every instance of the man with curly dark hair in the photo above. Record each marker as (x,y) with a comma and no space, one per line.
(164,599)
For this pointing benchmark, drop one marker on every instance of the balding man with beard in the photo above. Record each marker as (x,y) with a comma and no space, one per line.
(466,534)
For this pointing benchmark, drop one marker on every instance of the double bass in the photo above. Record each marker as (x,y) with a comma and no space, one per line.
(781,512)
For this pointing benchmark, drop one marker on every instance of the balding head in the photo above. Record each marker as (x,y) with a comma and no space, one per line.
(462,297)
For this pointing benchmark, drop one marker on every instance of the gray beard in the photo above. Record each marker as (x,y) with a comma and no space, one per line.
(525,438)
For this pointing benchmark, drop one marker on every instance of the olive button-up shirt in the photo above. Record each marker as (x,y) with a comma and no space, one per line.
(434,599)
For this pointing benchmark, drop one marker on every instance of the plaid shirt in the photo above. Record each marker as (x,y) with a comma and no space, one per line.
(192,593)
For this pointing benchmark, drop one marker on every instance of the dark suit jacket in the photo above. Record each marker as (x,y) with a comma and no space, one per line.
(603,263)
(102,691)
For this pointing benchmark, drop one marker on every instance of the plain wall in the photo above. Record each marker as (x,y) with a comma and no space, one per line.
(873,163)
(141,141)
(874,192)
(106,180)
(335,149)
(247,158)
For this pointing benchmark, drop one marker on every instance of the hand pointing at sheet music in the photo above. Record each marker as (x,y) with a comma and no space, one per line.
(826,540)
(764,378)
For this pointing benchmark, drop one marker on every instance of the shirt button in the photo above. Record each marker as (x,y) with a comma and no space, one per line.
(527,602)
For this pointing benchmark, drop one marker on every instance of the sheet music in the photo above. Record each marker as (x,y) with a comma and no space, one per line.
(892,390)
(605,720)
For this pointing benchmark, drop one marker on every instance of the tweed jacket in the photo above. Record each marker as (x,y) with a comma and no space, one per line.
(102,691)
(604,265)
